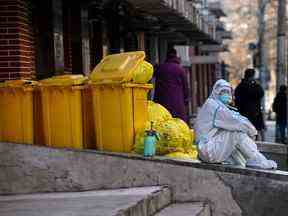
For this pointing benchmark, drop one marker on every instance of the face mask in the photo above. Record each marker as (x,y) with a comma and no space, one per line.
(225,99)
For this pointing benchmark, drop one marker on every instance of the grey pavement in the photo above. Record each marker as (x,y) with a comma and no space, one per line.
(91,203)
(270,132)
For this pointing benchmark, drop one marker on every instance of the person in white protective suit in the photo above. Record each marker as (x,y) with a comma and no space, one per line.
(223,135)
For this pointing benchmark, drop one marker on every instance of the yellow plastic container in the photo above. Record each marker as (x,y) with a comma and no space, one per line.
(65,80)
(16,111)
(123,67)
(63,106)
(119,111)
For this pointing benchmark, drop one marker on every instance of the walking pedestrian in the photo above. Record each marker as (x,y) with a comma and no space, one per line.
(248,96)
(171,89)
(280,108)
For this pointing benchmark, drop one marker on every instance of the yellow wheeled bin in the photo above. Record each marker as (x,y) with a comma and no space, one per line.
(119,111)
(120,106)
(16,111)
(64,112)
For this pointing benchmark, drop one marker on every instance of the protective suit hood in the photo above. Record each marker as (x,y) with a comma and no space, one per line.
(218,87)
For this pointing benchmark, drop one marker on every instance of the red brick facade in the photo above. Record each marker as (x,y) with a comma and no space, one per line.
(17,54)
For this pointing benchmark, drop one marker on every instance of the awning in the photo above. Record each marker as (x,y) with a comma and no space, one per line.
(180,15)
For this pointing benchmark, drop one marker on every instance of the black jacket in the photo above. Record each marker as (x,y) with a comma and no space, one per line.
(280,108)
(248,95)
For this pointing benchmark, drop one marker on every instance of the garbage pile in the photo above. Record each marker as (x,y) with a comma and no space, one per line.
(176,140)
(106,111)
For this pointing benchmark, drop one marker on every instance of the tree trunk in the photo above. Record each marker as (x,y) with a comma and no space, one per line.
(262,5)
(281,45)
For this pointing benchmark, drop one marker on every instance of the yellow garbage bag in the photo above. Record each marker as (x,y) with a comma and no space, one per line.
(193,152)
(182,155)
(175,136)
(143,73)
(157,113)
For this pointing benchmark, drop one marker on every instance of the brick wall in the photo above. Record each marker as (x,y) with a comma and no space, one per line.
(17,57)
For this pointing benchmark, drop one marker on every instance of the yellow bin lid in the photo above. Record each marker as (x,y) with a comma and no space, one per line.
(64,80)
(108,84)
(18,83)
(117,67)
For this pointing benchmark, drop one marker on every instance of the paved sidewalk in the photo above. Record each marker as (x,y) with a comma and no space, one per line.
(270,132)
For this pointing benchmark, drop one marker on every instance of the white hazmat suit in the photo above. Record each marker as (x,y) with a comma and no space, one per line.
(223,134)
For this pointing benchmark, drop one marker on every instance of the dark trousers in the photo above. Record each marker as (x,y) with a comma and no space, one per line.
(281,132)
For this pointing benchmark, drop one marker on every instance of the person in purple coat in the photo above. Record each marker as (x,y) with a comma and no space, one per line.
(171,89)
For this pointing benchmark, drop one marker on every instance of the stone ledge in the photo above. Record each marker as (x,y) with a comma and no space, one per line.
(29,169)
(272,174)
(275,148)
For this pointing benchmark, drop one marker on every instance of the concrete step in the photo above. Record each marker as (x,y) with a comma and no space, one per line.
(186,209)
(144,201)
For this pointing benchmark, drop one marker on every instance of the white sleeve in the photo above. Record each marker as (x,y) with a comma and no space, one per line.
(233,121)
